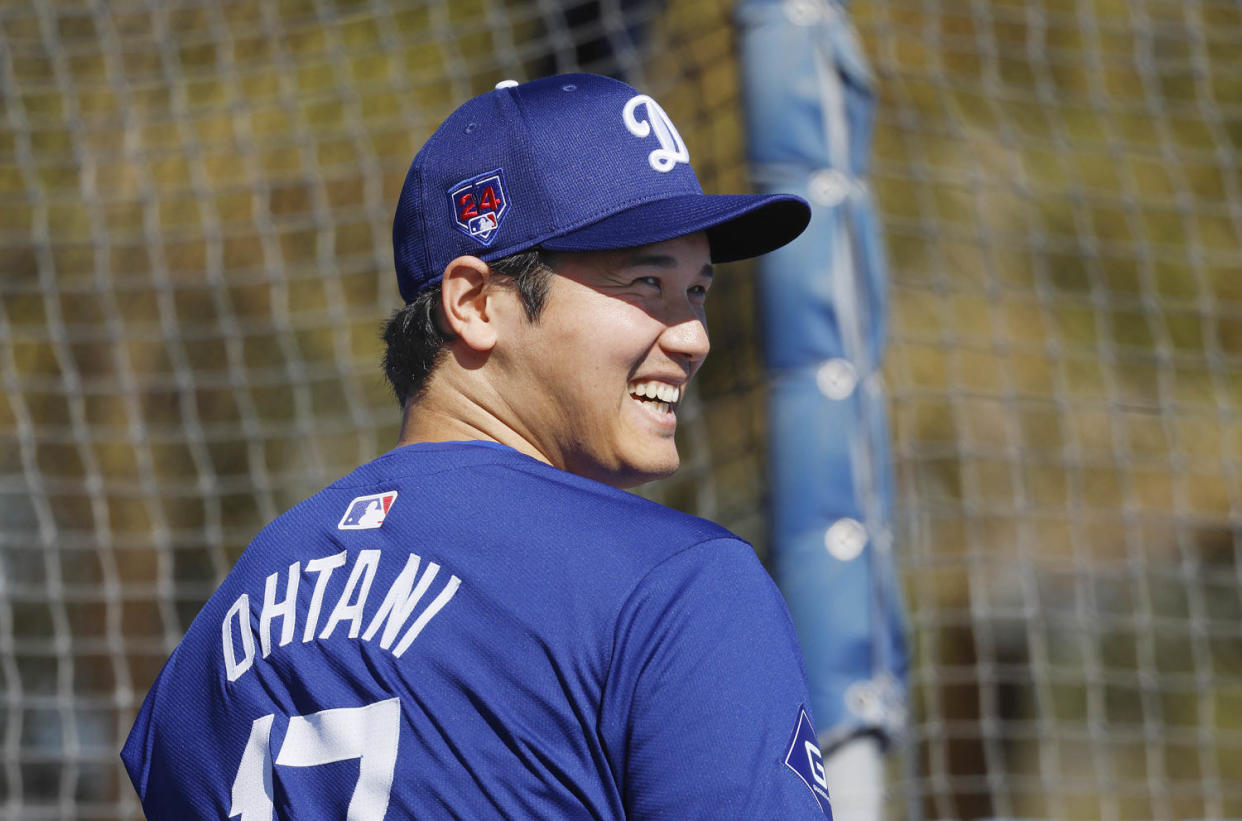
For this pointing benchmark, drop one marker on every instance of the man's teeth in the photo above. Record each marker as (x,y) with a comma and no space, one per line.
(666,394)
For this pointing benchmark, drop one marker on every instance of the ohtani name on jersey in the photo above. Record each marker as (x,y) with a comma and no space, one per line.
(387,621)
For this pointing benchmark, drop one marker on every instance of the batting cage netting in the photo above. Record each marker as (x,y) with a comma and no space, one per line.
(195,211)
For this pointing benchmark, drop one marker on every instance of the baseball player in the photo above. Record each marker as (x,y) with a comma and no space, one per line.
(481,623)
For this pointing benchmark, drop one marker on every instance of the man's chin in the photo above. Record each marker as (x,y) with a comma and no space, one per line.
(640,472)
(629,472)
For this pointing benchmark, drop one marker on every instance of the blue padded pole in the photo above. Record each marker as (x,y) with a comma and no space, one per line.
(809,97)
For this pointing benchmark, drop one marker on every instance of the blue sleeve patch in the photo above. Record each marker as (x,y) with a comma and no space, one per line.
(805,760)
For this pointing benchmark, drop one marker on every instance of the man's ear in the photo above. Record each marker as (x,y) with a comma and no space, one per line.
(464,303)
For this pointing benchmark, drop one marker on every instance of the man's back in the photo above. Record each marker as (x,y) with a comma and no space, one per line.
(459,630)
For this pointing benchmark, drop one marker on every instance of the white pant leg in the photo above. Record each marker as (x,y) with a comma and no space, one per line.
(855,774)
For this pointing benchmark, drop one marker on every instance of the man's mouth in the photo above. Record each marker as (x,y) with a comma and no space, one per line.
(658,397)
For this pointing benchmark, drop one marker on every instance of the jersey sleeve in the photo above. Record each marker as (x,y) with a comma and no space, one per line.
(706,710)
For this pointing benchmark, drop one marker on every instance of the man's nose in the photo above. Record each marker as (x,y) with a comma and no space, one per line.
(687,340)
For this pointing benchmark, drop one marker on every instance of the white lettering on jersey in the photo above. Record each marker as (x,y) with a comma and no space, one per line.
(360,577)
(252,788)
(672,148)
(400,603)
(436,605)
(323,568)
(239,612)
(284,610)
(370,734)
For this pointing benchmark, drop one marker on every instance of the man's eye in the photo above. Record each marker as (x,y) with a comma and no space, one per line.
(698,290)
(652,281)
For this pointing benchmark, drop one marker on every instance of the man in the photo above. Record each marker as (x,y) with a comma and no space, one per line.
(479,624)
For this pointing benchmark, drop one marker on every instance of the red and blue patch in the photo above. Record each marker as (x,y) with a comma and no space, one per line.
(479,205)
(367,512)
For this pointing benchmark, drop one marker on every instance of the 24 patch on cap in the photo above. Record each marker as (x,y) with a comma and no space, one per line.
(805,760)
(479,205)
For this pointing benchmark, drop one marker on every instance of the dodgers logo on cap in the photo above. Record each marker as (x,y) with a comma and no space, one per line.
(367,512)
(479,205)
(672,148)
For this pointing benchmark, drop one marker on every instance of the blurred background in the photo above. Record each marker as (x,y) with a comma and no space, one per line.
(195,261)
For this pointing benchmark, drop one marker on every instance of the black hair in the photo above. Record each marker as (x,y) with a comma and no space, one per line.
(415,340)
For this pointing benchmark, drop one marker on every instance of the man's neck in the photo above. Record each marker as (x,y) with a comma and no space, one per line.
(456,417)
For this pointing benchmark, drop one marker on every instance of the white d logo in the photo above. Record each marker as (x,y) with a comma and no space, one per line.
(672,150)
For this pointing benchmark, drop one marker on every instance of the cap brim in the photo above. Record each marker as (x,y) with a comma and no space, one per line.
(738,226)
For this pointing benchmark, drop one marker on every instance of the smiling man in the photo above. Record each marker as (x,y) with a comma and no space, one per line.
(480,623)
(588,378)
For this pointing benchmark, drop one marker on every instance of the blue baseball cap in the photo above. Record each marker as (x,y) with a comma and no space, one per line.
(575,162)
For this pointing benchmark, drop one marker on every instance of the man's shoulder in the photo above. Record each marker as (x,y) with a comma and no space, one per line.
(497,482)
(586,508)
(472,505)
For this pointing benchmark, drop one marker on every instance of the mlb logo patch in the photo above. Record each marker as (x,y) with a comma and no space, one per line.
(805,760)
(368,512)
(479,205)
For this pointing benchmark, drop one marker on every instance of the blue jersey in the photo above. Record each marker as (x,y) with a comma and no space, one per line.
(456,630)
